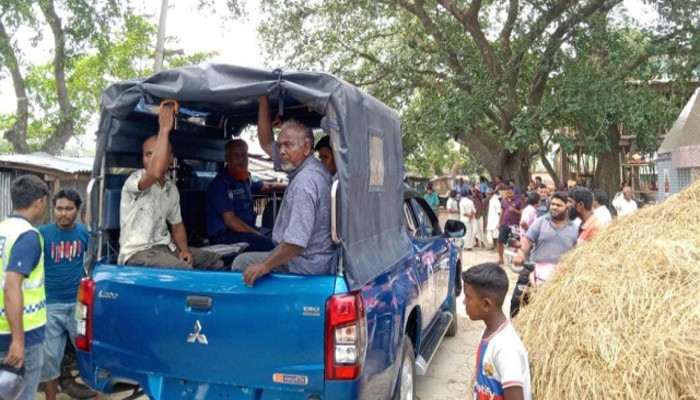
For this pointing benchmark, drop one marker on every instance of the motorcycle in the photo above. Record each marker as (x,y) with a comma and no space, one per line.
(511,251)
(539,274)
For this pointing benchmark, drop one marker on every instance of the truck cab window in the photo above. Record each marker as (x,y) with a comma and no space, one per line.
(411,226)
(426,218)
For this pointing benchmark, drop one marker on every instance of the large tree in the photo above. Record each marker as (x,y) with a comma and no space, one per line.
(84,24)
(95,43)
(475,71)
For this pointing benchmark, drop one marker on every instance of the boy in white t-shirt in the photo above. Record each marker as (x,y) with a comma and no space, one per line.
(502,369)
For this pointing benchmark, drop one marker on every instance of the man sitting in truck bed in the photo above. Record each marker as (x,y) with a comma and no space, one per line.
(230,213)
(149,199)
(302,230)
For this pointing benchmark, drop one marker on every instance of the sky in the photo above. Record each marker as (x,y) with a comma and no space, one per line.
(236,41)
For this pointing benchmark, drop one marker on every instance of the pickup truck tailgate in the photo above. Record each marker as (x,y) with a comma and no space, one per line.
(210,327)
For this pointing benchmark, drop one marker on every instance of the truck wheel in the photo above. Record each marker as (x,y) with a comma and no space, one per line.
(405,383)
(454,326)
(68,380)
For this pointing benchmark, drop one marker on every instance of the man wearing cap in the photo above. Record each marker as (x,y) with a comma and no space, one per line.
(325,154)
(230,214)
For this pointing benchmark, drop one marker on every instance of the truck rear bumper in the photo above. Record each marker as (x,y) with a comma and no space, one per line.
(163,388)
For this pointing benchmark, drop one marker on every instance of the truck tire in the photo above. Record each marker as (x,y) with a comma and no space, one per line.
(454,326)
(405,384)
(69,381)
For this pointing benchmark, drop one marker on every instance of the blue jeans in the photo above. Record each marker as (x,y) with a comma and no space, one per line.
(33,359)
(60,326)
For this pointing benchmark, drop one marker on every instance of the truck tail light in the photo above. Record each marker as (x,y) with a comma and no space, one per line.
(83,317)
(346,336)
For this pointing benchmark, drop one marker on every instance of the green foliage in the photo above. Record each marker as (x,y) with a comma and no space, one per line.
(495,90)
(125,52)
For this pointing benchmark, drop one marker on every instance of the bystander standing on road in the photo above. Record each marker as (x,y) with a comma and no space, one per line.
(543,206)
(65,243)
(529,214)
(511,206)
(432,198)
(458,188)
(581,205)
(600,207)
(478,221)
(624,203)
(493,217)
(452,206)
(466,214)
(23,305)
(547,240)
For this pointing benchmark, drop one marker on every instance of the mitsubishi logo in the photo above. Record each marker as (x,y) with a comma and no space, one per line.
(196,336)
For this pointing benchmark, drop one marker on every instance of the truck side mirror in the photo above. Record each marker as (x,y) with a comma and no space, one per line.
(455,229)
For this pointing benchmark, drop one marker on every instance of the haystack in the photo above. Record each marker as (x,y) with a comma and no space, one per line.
(621,317)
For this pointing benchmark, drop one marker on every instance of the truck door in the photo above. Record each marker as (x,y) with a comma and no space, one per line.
(421,253)
(436,253)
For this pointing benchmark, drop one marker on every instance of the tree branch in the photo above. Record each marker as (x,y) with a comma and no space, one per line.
(507,30)
(430,26)
(626,69)
(64,130)
(539,81)
(470,21)
(17,134)
(542,149)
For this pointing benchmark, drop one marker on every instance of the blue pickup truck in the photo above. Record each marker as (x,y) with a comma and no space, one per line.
(362,332)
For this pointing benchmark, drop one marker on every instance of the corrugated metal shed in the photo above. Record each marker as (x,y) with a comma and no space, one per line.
(46,163)
(58,172)
(263,169)
(6,178)
(686,130)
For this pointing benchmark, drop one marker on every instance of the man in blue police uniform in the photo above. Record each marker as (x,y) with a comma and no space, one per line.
(230,214)
(23,304)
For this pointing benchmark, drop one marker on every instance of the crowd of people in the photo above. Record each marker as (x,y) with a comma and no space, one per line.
(549,224)
(493,211)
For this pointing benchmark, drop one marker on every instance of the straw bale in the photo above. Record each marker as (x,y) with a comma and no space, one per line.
(620,319)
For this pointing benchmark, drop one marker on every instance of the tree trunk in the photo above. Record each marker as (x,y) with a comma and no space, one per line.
(607,172)
(495,158)
(64,130)
(514,166)
(160,42)
(17,134)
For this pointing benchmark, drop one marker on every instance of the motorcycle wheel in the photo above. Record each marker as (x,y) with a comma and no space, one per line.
(509,255)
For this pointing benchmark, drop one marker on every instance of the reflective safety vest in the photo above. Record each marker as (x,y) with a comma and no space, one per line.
(33,293)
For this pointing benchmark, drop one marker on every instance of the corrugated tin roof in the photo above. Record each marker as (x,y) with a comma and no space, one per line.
(264,170)
(44,161)
(686,130)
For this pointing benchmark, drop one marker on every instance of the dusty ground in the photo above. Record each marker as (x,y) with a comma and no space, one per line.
(452,369)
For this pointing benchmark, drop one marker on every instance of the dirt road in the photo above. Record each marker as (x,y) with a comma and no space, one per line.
(451,371)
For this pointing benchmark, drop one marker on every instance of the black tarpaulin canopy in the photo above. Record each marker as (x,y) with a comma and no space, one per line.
(365,135)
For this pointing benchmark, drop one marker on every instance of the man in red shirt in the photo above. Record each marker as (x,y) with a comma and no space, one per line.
(581,205)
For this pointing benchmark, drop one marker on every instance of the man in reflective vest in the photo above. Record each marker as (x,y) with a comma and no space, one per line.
(23,304)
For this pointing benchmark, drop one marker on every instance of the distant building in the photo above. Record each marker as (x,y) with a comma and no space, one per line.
(678,162)
(58,172)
